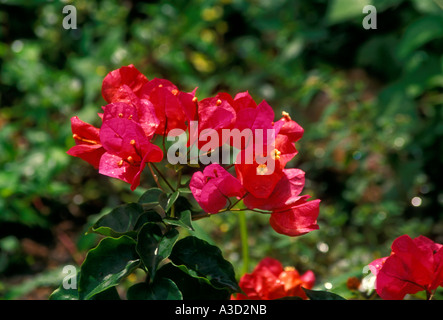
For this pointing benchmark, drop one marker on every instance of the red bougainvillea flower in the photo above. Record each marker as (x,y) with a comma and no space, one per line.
(286,192)
(260,169)
(241,115)
(260,117)
(414,265)
(290,128)
(250,116)
(296,220)
(242,100)
(138,112)
(259,179)
(118,83)
(269,281)
(87,139)
(127,150)
(213,187)
(214,115)
(292,214)
(174,108)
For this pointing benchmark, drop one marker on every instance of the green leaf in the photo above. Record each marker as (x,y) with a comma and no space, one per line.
(62,293)
(167,200)
(171,200)
(159,289)
(154,247)
(119,221)
(192,286)
(183,219)
(342,10)
(109,294)
(106,265)
(206,261)
(420,32)
(322,295)
(124,220)
(150,196)
(183,204)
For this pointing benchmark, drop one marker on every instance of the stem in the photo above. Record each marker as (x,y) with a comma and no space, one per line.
(173,211)
(244,240)
(230,166)
(236,202)
(200,215)
(429,295)
(155,177)
(179,179)
(162,176)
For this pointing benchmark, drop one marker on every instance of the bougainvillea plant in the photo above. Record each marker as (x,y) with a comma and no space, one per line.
(140,115)
(238,152)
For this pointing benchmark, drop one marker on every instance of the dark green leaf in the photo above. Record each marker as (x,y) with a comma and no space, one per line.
(159,289)
(119,221)
(191,285)
(420,32)
(171,200)
(150,196)
(106,265)
(182,204)
(206,261)
(154,247)
(109,294)
(125,220)
(322,295)
(148,216)
(62,293)
(163,200)
(183,219)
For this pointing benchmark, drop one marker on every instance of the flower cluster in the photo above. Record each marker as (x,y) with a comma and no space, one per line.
(261,179)
(139,109)
(269,281)
(414,265)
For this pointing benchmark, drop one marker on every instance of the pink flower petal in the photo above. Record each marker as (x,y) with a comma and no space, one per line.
(297,220)
(113,82)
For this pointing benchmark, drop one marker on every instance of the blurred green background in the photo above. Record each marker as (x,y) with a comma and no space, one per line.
(370,102)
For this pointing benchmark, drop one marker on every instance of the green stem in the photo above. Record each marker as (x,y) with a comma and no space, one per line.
(179,179)
(244,240)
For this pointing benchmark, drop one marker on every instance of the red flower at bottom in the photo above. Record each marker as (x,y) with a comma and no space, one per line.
(270,281)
